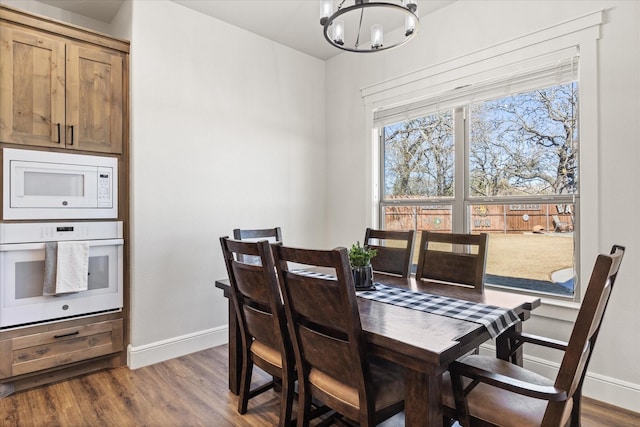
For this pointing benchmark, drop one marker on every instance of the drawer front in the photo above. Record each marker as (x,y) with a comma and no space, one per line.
(51,349)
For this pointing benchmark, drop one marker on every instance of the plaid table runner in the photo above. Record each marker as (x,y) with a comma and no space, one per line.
(495,319)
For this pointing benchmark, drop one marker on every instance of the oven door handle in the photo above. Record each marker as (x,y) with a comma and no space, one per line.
(8,247)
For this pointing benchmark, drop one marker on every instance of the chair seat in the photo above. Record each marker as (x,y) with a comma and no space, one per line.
(498,406)
(387,380)
(266,353)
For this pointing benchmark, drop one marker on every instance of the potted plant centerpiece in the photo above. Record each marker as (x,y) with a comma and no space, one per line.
(360,260)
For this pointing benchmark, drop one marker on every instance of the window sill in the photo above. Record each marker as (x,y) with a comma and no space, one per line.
(556,309)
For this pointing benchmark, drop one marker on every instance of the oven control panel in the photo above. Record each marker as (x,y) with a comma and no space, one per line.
(59,231)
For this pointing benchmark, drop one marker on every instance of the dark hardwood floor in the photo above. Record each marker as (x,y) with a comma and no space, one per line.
(187,391)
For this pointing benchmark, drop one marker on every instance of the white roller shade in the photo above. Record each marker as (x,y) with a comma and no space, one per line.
(560,68)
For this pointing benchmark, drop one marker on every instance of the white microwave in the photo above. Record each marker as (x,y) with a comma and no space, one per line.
(47,185)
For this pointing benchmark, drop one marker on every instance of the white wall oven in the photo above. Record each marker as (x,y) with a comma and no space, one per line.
(22,271)
(48,185)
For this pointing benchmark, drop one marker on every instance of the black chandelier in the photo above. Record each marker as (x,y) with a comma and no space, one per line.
(343,27)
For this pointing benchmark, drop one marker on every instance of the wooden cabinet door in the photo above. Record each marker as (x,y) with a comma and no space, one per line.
(94,99)
(32,88)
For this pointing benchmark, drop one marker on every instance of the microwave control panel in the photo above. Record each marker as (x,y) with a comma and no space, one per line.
(104,187)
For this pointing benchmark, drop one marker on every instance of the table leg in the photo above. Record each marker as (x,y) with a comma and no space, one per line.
(235,351)
(504,347)
(422,405)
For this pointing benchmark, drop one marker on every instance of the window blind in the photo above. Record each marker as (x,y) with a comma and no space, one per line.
(559,71)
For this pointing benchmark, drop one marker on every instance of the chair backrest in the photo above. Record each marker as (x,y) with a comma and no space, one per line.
(585,330)
(256,296)
(271,234)
(459,259)
(394,250)
(324,324)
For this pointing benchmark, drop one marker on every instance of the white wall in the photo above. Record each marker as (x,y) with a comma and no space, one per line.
(58,14)
(227,130)
(470,26)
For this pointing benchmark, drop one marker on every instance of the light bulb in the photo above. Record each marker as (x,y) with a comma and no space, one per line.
(376,36)
(409,25)
(337,34)
(326,9)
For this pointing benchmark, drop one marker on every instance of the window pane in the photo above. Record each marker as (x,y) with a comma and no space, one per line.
(435,217)
(418,157)
(424,217)
(525,144)
(531,246)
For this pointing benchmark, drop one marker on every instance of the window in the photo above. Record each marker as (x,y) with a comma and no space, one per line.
(506,165)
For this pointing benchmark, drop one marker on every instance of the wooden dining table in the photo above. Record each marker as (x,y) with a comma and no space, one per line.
(424,343)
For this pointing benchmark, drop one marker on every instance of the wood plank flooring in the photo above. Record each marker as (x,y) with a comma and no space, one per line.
(186,391)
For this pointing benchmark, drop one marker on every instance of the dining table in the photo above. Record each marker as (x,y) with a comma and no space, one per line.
(424,343)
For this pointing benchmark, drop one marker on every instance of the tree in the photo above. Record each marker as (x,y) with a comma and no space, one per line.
(530,140)
(419,157)
(524,144)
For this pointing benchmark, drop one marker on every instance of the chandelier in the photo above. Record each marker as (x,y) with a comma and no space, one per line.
(343,27)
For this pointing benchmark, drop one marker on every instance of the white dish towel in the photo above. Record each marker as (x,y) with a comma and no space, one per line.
(66,268)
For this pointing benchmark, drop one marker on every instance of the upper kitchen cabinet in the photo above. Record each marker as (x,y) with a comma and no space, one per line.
(61,86)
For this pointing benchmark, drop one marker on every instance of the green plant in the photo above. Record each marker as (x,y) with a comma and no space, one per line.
(360,256)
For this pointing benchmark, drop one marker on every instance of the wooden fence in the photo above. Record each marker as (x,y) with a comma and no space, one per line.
(514,218)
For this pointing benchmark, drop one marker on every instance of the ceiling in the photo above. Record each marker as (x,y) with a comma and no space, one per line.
(294,23)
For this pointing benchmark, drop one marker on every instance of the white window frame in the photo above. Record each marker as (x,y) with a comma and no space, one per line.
(512,56)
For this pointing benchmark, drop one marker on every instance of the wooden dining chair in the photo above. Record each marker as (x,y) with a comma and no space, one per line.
(394,250)
(333,364)
(262,323)
(488,391)
(517,339)
(453,258)
(270,234)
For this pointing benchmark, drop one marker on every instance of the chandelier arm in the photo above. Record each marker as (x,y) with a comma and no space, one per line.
(359,28)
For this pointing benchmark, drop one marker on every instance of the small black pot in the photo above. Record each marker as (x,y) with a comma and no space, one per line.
(363,277)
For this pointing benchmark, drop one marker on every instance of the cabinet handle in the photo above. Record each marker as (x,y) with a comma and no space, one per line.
(71,135)
(67,335)
(58,125)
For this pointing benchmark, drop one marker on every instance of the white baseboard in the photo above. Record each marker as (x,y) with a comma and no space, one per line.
(156,352)
(599,387)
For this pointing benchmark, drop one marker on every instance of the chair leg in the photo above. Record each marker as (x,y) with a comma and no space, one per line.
(286,400)
(245,384)
(304,406)
(575,411)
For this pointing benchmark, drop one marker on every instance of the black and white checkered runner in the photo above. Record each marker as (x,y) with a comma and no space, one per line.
(495,319)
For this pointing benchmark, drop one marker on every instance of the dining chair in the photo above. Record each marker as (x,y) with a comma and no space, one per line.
(453,258)
(333,364)
(394,250)
(262,323)
(271,234)
(483,390)
(517,339)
